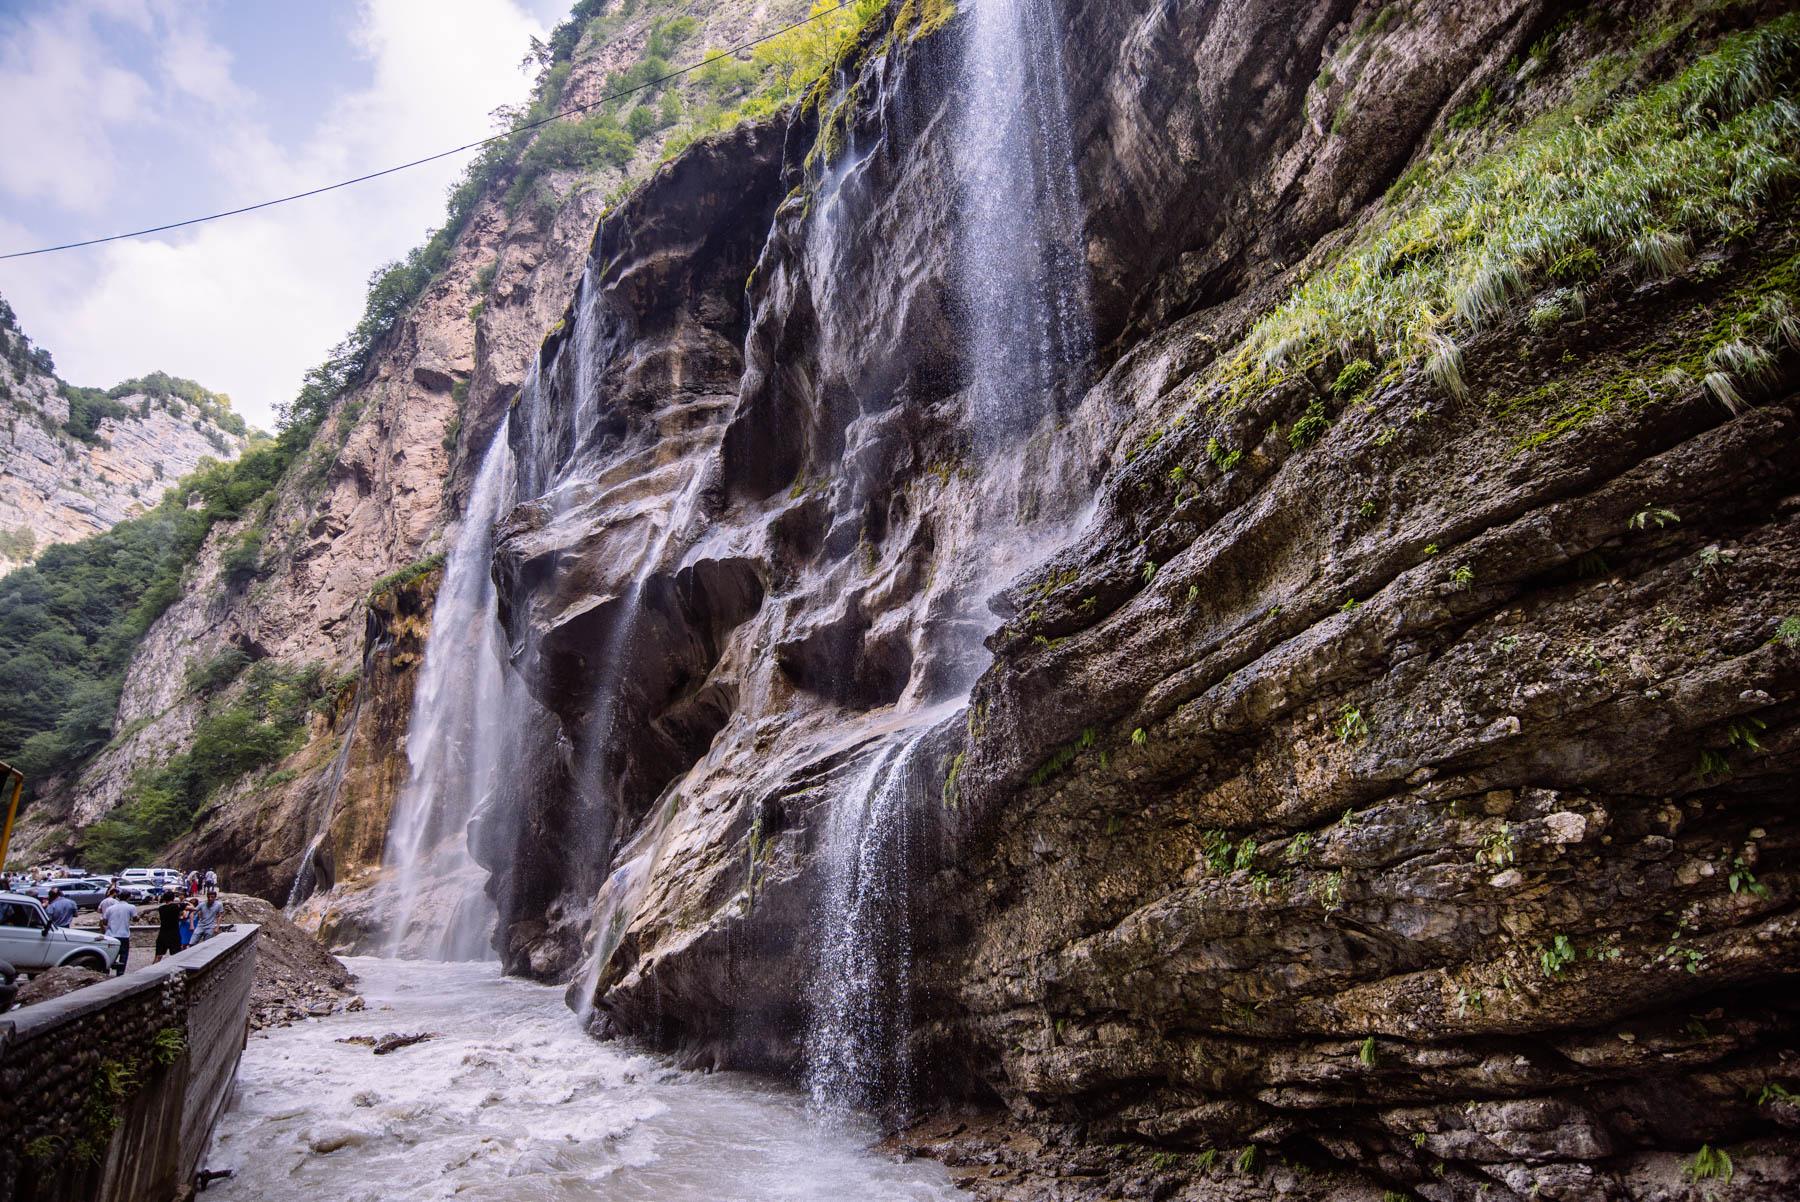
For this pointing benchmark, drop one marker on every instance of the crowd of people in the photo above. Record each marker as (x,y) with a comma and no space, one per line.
(183,916)
(181,921)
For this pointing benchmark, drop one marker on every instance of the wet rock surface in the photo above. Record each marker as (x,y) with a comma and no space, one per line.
(1328,822)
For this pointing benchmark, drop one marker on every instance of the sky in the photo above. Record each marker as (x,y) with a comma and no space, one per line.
(122,114)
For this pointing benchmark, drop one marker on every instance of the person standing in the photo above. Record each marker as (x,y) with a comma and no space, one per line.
(206,916)
(60,909)
(115,919)
(212,880)
(168,926)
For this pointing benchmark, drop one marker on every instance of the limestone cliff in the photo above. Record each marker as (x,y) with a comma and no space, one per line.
(61,479)
(1375,778)
(1254,656)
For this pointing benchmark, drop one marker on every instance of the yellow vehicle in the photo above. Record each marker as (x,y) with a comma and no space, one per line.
(12,782)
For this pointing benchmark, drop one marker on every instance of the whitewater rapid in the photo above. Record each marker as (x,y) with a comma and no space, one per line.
(513,1103)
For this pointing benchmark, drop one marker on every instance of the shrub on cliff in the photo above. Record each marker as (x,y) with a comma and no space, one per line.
(1636,179)
(256,725)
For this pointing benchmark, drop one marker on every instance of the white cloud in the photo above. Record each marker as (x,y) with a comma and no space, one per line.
(247,304)
(74,101)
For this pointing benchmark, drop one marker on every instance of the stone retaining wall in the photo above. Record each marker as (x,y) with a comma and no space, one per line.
(110,1093)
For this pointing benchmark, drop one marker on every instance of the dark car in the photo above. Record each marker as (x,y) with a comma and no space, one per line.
(9,986)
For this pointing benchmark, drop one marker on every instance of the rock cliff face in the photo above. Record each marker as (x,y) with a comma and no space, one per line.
(980,671)
(58,488)
(1375,780)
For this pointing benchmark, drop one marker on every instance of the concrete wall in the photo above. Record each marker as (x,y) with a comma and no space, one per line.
(110,1093)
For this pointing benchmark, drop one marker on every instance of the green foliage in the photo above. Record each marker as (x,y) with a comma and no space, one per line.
(1474,114)
(88,407)
(1310,425)
(1557,956)
(1222,459)
(1353,381)
(242,560)
(1707,1164)
(1742,880)
(1497,849)
(1366,1052)
(167,1046)
(1787,632)
(1701,157)
(586,144)
(782,70)
(217,671)
(954,771)
(260,724)
(406,575)
(19,544)
(215,407)
(1662,517)
(1062,757)
(1350,725)
(1462,577)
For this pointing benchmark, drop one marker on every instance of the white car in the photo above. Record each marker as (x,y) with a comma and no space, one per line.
(30,944)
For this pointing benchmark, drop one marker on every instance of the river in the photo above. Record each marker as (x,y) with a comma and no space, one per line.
(513,1103)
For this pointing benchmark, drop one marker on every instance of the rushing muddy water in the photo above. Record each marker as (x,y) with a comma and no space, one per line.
(512,1103)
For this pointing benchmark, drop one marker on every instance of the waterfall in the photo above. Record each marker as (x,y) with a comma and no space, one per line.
(1022,283)
(306,877)
(1024,267)
(456,741)
(856,1053)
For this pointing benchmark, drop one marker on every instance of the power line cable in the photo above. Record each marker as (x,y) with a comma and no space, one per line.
(443,154)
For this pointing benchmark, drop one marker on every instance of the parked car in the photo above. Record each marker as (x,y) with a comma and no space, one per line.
(30,944)
(86,894)
(9,986)
(138,893)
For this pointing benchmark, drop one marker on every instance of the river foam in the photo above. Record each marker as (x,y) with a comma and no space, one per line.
(513,1102)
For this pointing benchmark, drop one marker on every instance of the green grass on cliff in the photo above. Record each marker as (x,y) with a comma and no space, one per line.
(259,724)
(1643,180)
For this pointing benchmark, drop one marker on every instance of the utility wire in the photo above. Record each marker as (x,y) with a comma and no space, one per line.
(647,85)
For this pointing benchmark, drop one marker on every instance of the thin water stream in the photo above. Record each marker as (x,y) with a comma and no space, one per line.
(513,1103)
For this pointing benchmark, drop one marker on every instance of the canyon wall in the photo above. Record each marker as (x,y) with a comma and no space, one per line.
(1374,777)
(57,487)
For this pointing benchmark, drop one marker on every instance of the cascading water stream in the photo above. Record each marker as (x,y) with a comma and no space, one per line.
(621,645)
(1023,284)
(306,877)
(456,742)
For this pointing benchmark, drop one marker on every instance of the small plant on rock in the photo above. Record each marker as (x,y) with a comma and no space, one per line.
(1310,425)
(1139,738)
(1557,957)
(1743,734)
(1222,458)
(1787,632)
(1246,1160)
(1709,1163)
(1366,1052)
(1643,518)
(1329,892)
(1497,848)
(1245,853)
(1299,847)
(1712,764)
(1742,880)
(1350,726)
(1462,577)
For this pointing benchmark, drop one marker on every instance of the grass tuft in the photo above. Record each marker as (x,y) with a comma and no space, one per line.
(1640,179)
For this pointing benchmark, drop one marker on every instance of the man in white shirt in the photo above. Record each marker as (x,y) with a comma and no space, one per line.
(115,920)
